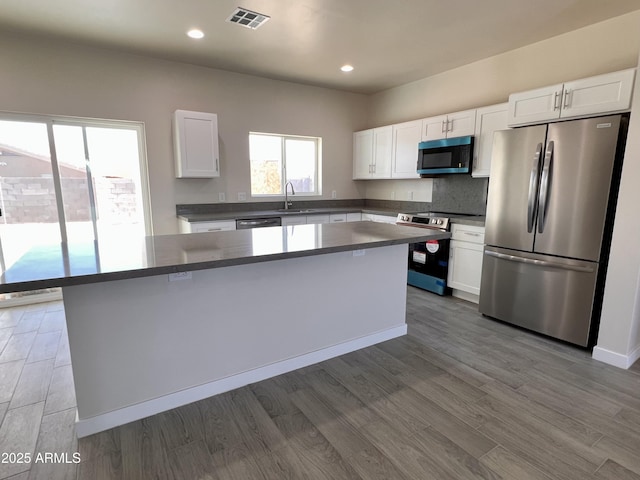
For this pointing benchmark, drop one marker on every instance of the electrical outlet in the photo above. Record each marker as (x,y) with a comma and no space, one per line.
(242,196)
(393,195)
(221,197)
(410,195)
(176,277)
(334,194)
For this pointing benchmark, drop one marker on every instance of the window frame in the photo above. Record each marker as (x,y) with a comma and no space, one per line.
(317,164)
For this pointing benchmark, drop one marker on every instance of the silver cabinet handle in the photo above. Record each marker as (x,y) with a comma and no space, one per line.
(556,100)
(214,229)
(567,97)
(337,220)
(533,188)
(472,234)
(543,201)
(449,125)
(217,166)
(444,128)
(541,263)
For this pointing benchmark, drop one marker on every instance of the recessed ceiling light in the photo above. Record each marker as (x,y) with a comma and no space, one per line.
(195,33)
(346,68)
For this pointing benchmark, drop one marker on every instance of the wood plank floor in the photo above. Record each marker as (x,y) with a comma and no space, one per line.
(460,397)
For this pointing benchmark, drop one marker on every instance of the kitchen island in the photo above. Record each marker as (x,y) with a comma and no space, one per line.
(159,322)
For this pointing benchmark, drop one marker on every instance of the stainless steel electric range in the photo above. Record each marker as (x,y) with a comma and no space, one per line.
(428,261)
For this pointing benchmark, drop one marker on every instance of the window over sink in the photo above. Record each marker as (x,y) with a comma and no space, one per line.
(277,159)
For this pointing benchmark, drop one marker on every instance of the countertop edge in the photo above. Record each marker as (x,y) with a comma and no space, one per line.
(210,264)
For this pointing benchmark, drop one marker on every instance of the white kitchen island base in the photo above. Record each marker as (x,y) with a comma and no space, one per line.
(141,346)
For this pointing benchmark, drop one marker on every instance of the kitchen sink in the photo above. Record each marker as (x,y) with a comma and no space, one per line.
(296,210)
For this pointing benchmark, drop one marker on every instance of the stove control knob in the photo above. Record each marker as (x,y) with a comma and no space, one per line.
(440,222)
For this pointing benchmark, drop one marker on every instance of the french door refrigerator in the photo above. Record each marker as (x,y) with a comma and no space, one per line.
(549,218)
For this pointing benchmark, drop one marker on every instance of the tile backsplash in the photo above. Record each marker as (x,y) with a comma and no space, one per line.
(460,194)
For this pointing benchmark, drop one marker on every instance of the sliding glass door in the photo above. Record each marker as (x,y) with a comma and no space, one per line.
(73,180)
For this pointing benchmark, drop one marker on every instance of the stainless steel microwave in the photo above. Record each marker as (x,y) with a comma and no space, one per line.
(445,156)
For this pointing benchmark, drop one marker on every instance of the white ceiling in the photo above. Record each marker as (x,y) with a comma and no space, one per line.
(389,42)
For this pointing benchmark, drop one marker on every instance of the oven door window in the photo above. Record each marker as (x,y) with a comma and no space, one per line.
(430,258)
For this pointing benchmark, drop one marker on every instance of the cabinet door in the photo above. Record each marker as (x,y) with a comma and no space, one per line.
(434,128)
(362,154)
(465,266)
(354,217)
(601,94)
(488,120)
(196,144)
(535,106)
(318,218)
(382,149)
(461,124)
(406,137)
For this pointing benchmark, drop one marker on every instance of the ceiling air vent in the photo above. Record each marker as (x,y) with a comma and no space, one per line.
(247,18)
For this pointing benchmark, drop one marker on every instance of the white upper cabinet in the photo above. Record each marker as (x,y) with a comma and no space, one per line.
(458,124)
(406,137)
(539,105)
(488,120)
(434,128)
(196,148)
(603,93)
(382,146)
(606,93)
(372,153)
(362,154)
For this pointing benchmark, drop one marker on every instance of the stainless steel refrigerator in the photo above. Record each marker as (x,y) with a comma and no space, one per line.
(549,217)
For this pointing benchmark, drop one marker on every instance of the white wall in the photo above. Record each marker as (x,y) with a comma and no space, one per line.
(600,48)
(63,79)
(619,336)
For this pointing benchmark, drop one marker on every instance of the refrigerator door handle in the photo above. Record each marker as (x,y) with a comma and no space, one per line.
(533,188)
(543,201)
(541,263)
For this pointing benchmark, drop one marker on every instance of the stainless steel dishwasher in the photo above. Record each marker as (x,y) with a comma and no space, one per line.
(243,224)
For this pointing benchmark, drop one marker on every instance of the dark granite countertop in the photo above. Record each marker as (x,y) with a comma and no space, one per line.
(65,264)
(212,217)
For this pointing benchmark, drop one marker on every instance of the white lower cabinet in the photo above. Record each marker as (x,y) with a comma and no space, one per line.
(378,218)
(197,227)
(294,220)
(354,217)
(324,218)
(465,261)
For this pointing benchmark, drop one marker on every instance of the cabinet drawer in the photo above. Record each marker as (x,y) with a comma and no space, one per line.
(467,233)
(294,220)
(213,226)
(338,217)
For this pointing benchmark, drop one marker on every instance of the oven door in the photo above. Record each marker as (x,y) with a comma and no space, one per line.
(428,265)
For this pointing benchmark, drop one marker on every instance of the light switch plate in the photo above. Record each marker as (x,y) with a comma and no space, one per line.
(242,196)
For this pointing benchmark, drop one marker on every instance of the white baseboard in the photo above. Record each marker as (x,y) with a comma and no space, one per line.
(99,423)
(469,297)
(616,359)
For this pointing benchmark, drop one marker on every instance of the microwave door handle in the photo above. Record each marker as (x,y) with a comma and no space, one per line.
(534,180)
(544,187)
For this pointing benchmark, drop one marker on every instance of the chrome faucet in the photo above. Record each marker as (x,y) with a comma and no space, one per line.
(287,203)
